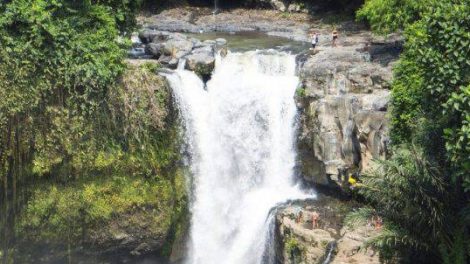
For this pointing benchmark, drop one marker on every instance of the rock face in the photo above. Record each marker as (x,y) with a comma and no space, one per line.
(134,234)
(299,242)
(343,102)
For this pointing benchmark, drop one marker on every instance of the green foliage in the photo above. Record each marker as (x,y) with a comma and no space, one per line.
(420,212)
(54,48)
(131,134)
(57,213)
(124,11)
(430,108)
(73,114)
(430,93)
(300,92)
(57,62)
(410,190)
(359,217)
(387,16)
(293,248)
(458,134)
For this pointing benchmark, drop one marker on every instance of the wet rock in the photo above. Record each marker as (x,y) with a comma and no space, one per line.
(147,36)
(209,42)
(168,61)
(196,42)
(295,8)
(169,47)
(141,249)
(129,240)
(162,36)
(154,49)
(220,42)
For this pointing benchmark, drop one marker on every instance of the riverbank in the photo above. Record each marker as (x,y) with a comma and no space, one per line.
(293,26)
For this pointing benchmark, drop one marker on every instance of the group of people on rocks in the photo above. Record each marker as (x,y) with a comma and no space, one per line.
(316,39)
(353,182)
(315,217)
(376,222)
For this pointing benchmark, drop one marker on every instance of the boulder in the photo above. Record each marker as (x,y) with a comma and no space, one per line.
(220,42)
(177,47)
(162,36)
(168,61)
(196,42)
(169,47)
(147,36)
(201,61)
(154,49)
(279,5)
(158,43)
(295,8)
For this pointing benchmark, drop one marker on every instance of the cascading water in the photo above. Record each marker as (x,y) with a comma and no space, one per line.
(240,134)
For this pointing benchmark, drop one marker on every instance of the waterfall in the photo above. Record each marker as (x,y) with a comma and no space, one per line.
(330,249)
(239,132)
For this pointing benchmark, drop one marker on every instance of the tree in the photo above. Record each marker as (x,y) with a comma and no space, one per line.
(430,98)
(58,59)
(386,16)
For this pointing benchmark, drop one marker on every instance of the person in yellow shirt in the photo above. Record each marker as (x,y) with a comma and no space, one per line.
(353,180)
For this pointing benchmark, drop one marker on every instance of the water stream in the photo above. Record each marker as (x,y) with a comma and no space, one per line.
(239,130)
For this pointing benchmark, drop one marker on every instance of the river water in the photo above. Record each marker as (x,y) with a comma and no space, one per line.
(239,130)
(250,40)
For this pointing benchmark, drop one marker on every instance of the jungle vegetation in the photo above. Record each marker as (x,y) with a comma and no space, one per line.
(84,137)
(423,191)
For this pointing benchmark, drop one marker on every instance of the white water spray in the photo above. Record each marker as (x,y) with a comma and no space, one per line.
(240,133)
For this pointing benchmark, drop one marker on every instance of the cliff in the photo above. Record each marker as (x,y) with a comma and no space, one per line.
(343,102)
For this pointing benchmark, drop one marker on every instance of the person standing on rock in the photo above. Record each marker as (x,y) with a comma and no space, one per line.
(299,217)
(378,222)
(314,40)
(335,37)
(315,217)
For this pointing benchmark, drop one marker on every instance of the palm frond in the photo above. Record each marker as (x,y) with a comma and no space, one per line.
(410,193)
(359,217)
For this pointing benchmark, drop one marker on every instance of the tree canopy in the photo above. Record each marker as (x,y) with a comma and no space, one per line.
(430,109)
